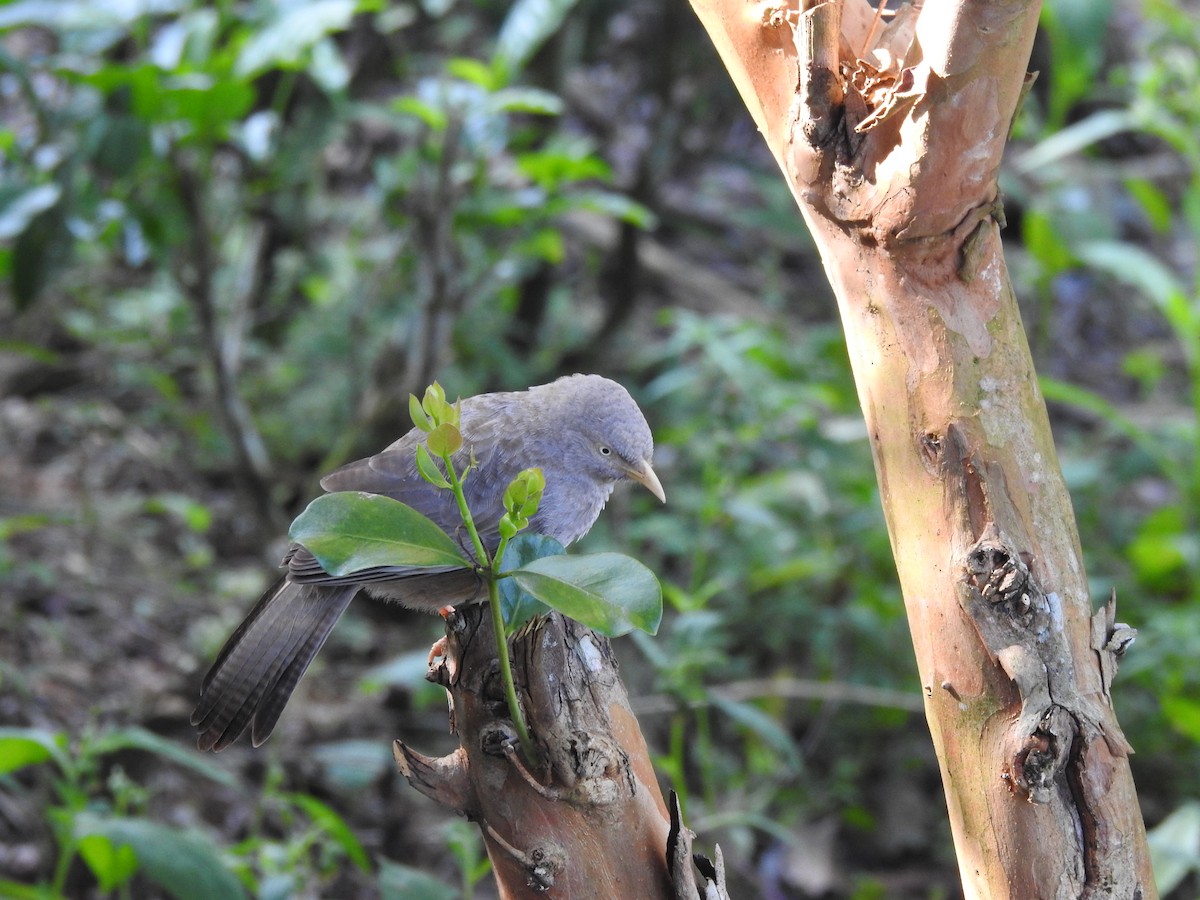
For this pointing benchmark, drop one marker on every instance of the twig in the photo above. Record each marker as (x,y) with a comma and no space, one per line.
(194,274)
(787,688)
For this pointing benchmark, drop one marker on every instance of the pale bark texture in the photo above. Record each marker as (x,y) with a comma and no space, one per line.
(588,820)
(890,132)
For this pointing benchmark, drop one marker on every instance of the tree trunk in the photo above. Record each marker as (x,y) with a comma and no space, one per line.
(890,134)
(589,821)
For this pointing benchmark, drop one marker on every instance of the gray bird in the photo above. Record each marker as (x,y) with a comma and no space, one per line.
(585,433)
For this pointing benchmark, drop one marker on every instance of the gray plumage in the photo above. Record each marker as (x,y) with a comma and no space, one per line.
(586,434)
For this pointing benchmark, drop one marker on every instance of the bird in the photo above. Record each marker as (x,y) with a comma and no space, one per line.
(585,432)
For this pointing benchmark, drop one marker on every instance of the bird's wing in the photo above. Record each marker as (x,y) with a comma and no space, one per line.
(490,449)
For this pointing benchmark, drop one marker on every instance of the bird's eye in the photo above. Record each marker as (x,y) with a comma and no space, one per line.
(605,451)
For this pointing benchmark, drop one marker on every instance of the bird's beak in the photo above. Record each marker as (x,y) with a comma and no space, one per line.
(645,475)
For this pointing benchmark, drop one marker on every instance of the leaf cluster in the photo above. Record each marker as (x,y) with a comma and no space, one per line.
(168,199)
(94,818)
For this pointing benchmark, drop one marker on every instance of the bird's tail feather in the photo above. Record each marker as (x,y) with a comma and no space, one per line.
(261,663)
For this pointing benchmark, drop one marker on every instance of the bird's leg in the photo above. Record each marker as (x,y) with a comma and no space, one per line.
(438,649)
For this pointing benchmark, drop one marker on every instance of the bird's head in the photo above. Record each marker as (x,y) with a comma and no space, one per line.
(613,439)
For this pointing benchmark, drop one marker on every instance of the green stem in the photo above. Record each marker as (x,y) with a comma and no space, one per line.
(510,689)
(68,846)
(456,485)
(490,566)
(498,556)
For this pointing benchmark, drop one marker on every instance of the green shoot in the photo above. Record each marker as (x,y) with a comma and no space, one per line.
(440,420)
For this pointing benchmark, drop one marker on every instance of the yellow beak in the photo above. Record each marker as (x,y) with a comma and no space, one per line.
(645,476)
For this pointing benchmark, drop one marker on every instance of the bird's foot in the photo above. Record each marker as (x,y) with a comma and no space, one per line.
(438,649)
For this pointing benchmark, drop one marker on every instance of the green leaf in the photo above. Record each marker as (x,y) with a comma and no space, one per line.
(32,352)
(606,591)
(526,27)
(349,531)
(18,211)
(1106,411)
(516,494)
(434,402)
(283,42)
(327,67)
(352,766)
(36,253)
(444,440)
(82,17)
(1134,266)
(400,882)
(619,207)
(440,412)
(1175,846)
(1183,713)
(466,845)
(14,891)
(209,107)
(472,70)
(192,513)
(408,672)
(1155,204)
(518,606)
(1162,551)
(1045,243)
(434,118)
(527,100)
(335,826)
(1147,366)
(428,469)
(111,864)
(524,493)
(1074,139)
(417,414)
(554,167)
(184,866)
(134,738)
(545,243)
(759,723)
(21,747)
(1148,274)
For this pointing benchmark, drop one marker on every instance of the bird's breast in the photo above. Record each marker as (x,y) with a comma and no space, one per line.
(570,506)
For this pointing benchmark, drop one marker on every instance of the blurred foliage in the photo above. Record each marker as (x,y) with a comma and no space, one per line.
(96,813)
(234,237)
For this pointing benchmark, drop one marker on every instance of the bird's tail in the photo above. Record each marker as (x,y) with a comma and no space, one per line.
(263,660)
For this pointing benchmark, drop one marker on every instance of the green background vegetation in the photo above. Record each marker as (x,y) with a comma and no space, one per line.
(235,236)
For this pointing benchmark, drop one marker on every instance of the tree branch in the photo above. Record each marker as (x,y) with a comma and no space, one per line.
(194,273)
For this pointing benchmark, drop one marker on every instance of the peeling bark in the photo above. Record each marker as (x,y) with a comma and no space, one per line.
(890,133)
